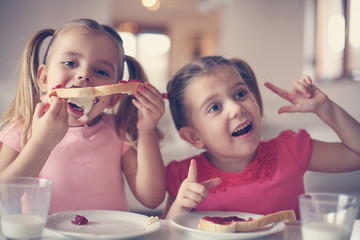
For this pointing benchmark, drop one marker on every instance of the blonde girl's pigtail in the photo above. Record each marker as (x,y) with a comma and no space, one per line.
(127,114)
(28,94)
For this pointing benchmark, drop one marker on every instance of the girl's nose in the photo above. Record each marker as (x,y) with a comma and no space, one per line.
(236,110)
(83,77)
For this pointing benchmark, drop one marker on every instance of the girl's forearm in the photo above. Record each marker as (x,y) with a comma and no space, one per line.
(28,163)
(150,180)
(345,126)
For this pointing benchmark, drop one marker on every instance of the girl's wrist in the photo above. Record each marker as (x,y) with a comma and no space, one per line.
(39,145)
(328,112)
(147,131)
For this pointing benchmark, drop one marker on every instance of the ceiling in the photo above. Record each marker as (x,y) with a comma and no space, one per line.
(169,11)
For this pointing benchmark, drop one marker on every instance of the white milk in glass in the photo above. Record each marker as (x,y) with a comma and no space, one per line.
(326,231)
(22,226)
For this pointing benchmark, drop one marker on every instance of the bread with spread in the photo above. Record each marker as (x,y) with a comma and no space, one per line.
(235,224)
(83,98)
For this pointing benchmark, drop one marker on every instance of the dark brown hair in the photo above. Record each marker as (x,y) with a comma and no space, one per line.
(205,65)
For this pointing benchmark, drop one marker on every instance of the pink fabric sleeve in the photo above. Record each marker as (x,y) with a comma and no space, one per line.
(299,145)
(176,172)
(11,137)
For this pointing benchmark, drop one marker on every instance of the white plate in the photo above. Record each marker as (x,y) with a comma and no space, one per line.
(103,224)
(189,222)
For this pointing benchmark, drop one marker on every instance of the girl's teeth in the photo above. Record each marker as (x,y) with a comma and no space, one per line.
(243,130)
(238,129)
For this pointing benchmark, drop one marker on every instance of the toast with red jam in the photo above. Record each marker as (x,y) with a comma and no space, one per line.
(235,224)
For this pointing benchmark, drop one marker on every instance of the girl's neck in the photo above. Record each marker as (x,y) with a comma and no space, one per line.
(92,122)
(95,120)
(230,164)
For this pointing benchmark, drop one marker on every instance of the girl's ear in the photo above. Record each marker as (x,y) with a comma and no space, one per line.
(189,135)
(41,78)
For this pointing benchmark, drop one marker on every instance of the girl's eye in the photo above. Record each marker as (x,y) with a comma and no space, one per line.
(214,108)
(101,72)
(69,63)
(241,94)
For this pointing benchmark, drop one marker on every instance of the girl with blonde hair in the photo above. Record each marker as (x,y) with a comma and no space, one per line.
(86,163)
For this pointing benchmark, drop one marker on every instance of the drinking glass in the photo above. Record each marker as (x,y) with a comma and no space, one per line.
(24,206)
(327,216)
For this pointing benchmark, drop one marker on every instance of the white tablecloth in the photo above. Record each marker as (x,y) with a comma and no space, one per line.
(170,232)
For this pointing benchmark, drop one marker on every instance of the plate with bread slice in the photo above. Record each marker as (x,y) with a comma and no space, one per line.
(232,225)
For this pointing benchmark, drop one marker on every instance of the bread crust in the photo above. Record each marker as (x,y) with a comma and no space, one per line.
(247,225)
(213,227)
(287,215)
(122,87)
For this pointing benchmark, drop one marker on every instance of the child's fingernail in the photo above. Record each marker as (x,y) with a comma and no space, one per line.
(147,84)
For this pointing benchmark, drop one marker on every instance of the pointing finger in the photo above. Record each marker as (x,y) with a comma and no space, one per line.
(192,174)
(281,92)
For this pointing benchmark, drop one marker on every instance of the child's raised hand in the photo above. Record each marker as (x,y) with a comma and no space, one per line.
(150,104)
(191,192)
(50,122)
(305,97)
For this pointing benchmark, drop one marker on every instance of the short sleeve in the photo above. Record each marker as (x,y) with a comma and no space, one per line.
(176,172)
(296,146)
(11,136)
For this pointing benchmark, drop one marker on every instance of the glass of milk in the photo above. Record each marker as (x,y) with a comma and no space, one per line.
(24,205)
(327,216)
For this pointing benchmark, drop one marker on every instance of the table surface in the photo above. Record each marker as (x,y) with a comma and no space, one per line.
(167,231)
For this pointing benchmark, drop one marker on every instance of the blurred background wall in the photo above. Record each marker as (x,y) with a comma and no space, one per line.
(276,37)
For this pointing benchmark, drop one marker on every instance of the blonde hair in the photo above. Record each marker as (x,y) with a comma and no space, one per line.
(21,110)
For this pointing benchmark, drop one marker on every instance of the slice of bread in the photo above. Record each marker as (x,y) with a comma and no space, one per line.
(220,224)
(122,87)
(287,216)
(208,224)
(86,97)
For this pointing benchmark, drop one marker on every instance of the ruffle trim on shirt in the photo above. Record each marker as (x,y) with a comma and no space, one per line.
(261,169)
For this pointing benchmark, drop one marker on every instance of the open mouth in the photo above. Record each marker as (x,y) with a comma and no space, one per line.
(76,107)
(243,130)
(82,104)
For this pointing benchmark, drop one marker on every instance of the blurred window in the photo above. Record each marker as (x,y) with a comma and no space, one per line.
(152,50)
(337,45)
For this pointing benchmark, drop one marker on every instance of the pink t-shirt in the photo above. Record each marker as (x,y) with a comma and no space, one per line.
(271,183)
(85,168)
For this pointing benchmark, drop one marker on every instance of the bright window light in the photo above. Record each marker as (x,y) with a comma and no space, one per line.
(336,31)
(354,33)
(129,40)
(153,44)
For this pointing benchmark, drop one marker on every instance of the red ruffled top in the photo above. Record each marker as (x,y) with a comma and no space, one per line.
(262,168)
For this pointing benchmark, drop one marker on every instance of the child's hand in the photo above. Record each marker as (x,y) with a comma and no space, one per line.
(305,97)
(50,122)
(150,104)
(191,192)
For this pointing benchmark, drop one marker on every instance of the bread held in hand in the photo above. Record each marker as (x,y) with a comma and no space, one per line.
(83,98)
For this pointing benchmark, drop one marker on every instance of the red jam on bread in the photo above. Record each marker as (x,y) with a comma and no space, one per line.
(235,224)
(225,220)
